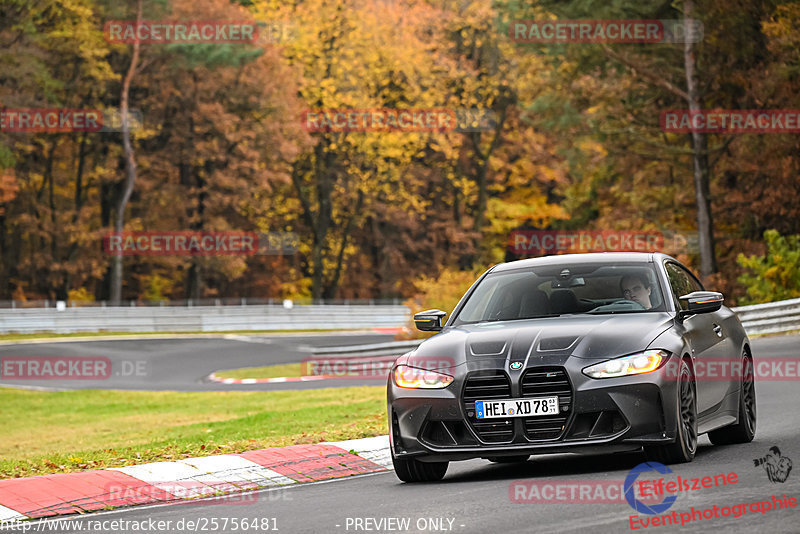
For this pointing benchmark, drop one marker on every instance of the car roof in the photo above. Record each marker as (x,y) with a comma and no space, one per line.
(611,258)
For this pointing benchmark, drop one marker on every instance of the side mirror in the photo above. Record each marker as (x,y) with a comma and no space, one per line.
(700,302)
(429,320)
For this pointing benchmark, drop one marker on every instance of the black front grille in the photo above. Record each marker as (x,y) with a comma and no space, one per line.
(487,385)
(547,382)
(494,430)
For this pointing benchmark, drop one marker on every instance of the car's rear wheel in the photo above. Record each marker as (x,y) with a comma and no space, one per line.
(509,459)
(743,430)
(412,470)
(685,445)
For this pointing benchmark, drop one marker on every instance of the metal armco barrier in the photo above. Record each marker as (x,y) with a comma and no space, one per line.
(202,318)
(770,318)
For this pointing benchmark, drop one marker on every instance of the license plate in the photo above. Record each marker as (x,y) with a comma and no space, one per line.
(516,407)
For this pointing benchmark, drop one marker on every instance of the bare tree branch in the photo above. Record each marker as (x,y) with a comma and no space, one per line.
(645,72)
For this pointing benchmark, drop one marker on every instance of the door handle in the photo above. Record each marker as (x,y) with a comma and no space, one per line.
(718,330)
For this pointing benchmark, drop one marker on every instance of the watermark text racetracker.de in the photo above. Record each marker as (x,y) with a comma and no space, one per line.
(187,32)
(649,492)
(649,497)
(69,368)
(400,120)
(370,367)
(199,31)
(726,369)
(200,243)
(64,120)
(210,491)
(605,31)
(571,491)
(542,242)
(731,121)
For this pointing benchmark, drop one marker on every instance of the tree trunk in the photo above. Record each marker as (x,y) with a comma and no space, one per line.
(483,169)
(466,261)
(705,223)
(324,185)
(73,249)
(130,167)
(330,289)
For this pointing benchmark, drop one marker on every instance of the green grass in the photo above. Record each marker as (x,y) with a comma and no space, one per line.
(50,335)
(268,371)
(55,432)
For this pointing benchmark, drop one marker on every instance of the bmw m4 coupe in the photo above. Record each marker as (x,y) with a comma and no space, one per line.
(583,353)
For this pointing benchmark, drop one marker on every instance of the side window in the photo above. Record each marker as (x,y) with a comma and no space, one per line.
(681,282)
(693,283)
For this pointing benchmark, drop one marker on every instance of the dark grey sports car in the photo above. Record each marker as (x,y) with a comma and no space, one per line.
(573,353)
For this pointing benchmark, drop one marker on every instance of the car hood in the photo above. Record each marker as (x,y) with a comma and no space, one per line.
(589,337)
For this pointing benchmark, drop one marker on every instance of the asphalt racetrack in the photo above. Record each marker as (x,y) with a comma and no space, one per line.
(183,364)
(476,496)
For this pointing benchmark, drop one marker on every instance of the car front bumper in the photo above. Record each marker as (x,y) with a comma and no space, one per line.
(596,415)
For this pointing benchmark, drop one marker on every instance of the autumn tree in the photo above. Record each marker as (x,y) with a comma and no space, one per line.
(226,136)
(613,94)
(53,56)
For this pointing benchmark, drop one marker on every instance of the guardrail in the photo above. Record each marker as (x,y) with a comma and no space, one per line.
(227,301)
(771,317)
(202,318)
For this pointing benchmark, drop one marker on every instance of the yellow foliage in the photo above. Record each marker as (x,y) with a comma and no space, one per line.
(80,295)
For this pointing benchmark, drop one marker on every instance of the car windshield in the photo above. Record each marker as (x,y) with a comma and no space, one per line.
(551,291)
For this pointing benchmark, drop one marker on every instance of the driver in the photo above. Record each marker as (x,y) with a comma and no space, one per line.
(636,287)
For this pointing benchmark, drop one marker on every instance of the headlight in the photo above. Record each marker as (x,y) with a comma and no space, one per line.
(635,364)
(412,377)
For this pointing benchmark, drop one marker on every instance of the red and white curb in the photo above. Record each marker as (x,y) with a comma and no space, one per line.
(349,368)
(190,478)
(374,449)
(214,378)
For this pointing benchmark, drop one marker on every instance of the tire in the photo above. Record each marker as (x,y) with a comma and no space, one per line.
(509,459)
(411,470)
(744,429)
(685,445)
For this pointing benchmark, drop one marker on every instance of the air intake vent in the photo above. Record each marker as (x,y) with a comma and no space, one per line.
(488,385)
(487,348)
(547,382)
(556,343)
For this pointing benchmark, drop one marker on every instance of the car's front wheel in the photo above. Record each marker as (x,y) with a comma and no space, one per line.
(744,429)
(412,470)
(685,445)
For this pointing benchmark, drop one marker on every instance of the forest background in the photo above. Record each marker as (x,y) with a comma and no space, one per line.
(575,144)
